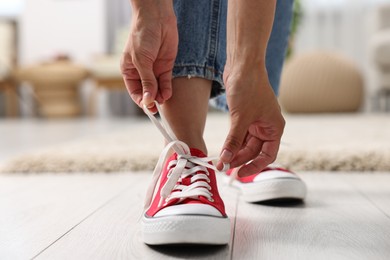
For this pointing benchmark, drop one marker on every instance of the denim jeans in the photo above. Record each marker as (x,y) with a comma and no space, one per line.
(202,43)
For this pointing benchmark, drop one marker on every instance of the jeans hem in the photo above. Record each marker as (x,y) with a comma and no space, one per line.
(202,71)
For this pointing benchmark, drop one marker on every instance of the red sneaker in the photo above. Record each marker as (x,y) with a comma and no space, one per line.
(186,206)
(271,183)
(183,204)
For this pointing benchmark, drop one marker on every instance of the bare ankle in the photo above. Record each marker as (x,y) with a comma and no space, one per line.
(195,143)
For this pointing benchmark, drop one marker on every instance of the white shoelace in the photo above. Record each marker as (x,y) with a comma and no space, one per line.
(186,166)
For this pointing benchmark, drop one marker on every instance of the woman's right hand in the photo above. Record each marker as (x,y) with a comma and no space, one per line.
(150,52)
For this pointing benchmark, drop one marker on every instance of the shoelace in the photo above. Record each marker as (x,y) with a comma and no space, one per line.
(186,166)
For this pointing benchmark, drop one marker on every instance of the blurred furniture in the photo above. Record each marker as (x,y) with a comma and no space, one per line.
(106,75)
(55,85)
(8,87)
(381,56)
(320,82)
(105,71)
(8,52)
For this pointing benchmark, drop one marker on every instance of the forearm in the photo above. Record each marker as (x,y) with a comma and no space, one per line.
(249,27)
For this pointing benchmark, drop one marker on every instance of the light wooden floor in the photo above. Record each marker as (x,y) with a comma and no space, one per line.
(18,136)
(96,216)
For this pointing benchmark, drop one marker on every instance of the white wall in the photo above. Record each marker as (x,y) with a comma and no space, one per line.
(73,27)
(345,26)
(10,8)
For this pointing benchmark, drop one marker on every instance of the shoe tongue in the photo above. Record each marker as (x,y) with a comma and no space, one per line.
(193,151)
(197,152)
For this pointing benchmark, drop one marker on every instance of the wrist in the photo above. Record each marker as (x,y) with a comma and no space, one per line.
(236,74)
(153,8)
(246,64)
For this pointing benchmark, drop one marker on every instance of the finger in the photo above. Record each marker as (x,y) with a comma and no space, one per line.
(131,78)
(249,152)
(159,98)
(148,99)
(134,88)
(148,81)
(233,142)
(151,107)
(266,157)
(165,85)
(247,138)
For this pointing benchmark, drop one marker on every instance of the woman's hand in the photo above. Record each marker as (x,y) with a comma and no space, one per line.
(256,120)
(150,52)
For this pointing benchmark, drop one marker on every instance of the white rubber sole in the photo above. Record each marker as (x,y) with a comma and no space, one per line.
(186,229)
(279,188)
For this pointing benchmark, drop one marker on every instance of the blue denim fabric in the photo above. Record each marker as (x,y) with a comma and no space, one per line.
(202,40)
(202,43)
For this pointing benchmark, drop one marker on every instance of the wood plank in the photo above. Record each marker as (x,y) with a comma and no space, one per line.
(336,222)
(36,210)
(114,232)
(375,186)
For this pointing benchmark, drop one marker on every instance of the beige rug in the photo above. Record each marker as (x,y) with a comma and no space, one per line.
(355,142)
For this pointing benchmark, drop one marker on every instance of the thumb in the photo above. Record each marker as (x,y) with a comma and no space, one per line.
(149,86)
(233,142)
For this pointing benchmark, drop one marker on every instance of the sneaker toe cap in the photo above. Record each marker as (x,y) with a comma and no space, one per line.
(274,174)
(189,209)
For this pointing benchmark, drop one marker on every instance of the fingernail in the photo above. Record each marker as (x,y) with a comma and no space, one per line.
(219,165)
(147,95)
(226,156)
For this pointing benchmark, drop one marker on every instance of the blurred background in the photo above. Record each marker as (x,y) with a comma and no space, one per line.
(59,58)
(58,53)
